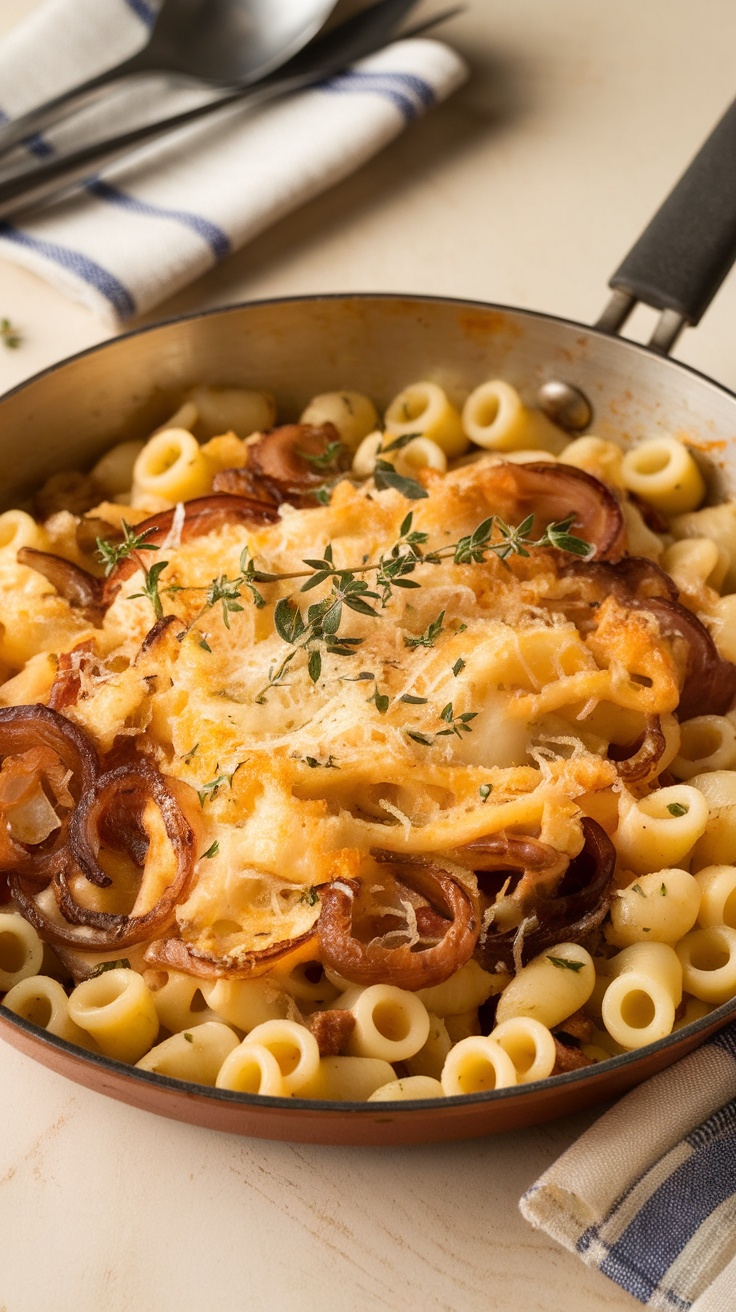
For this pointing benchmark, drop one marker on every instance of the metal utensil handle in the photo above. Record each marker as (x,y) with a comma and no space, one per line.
(42,181)
(53,111)
(366,32)
(682,257)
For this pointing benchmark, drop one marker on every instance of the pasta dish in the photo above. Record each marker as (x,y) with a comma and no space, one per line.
(356,758)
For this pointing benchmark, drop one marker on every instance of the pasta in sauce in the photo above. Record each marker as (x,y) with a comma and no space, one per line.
(356,760)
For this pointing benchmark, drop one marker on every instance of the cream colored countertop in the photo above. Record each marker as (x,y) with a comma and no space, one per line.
(526,188)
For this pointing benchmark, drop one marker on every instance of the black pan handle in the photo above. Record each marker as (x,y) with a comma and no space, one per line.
(681,259)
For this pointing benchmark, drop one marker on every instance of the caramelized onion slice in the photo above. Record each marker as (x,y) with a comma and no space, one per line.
(202,515)
(577,909)
(644,758)
(23,729)
(177,955)
(710,680)
(633,579)
(100,815)
(540,865)
(76,585)
(709,685)
(372,962)
(245,483)
(552,492)
(296,458)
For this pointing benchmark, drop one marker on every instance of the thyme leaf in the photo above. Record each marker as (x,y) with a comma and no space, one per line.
(151,588)
(324,459)
(385,476)
(9,336)
(430,635)
(112,553)
(103,966)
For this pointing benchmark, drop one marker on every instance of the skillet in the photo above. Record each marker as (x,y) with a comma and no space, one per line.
(588,379)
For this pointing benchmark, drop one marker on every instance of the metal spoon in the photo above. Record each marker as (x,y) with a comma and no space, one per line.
(367,31)
(218,42)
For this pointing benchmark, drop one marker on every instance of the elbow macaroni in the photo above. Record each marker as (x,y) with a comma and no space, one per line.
(513,729)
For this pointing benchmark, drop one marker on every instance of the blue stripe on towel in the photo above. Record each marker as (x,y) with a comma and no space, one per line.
(216,239)
(406,91)
(89,270)
(667,1221)
(722,1122)
(37,144)
(147,13)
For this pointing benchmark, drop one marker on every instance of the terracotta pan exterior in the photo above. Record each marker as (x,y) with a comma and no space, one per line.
(69,414)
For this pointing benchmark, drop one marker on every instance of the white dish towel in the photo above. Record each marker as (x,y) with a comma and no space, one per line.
(648,1194)
(146,228)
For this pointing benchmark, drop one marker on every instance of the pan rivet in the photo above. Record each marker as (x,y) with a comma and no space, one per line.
(565,405)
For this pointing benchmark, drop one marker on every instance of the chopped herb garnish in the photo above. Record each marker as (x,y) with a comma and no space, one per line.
(189,1037)
(212,788)
(676,808)
(186,759)
(426,740)
(662,890)
(309,897)
(485,791)
(458,666)
(121,964)
(324,459)
(211,851)
(381,701)
(204,644)
(413,701)
(566,963)
(637,888)
(314,666)
(9,336)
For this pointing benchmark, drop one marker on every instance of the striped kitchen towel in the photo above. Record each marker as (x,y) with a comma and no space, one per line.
(648,1194)
(146,227)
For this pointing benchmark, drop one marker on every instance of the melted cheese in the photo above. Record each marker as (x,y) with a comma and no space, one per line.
(298,780)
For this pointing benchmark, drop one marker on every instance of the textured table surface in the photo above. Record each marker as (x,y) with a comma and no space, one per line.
(526,188)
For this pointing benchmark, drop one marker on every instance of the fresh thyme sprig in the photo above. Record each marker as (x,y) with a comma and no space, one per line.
(319,631)
(320,627)
(112,553)
(150,588)
(430,635)
(457,725)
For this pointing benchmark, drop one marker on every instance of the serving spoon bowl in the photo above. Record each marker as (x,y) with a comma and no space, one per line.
(220,43)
